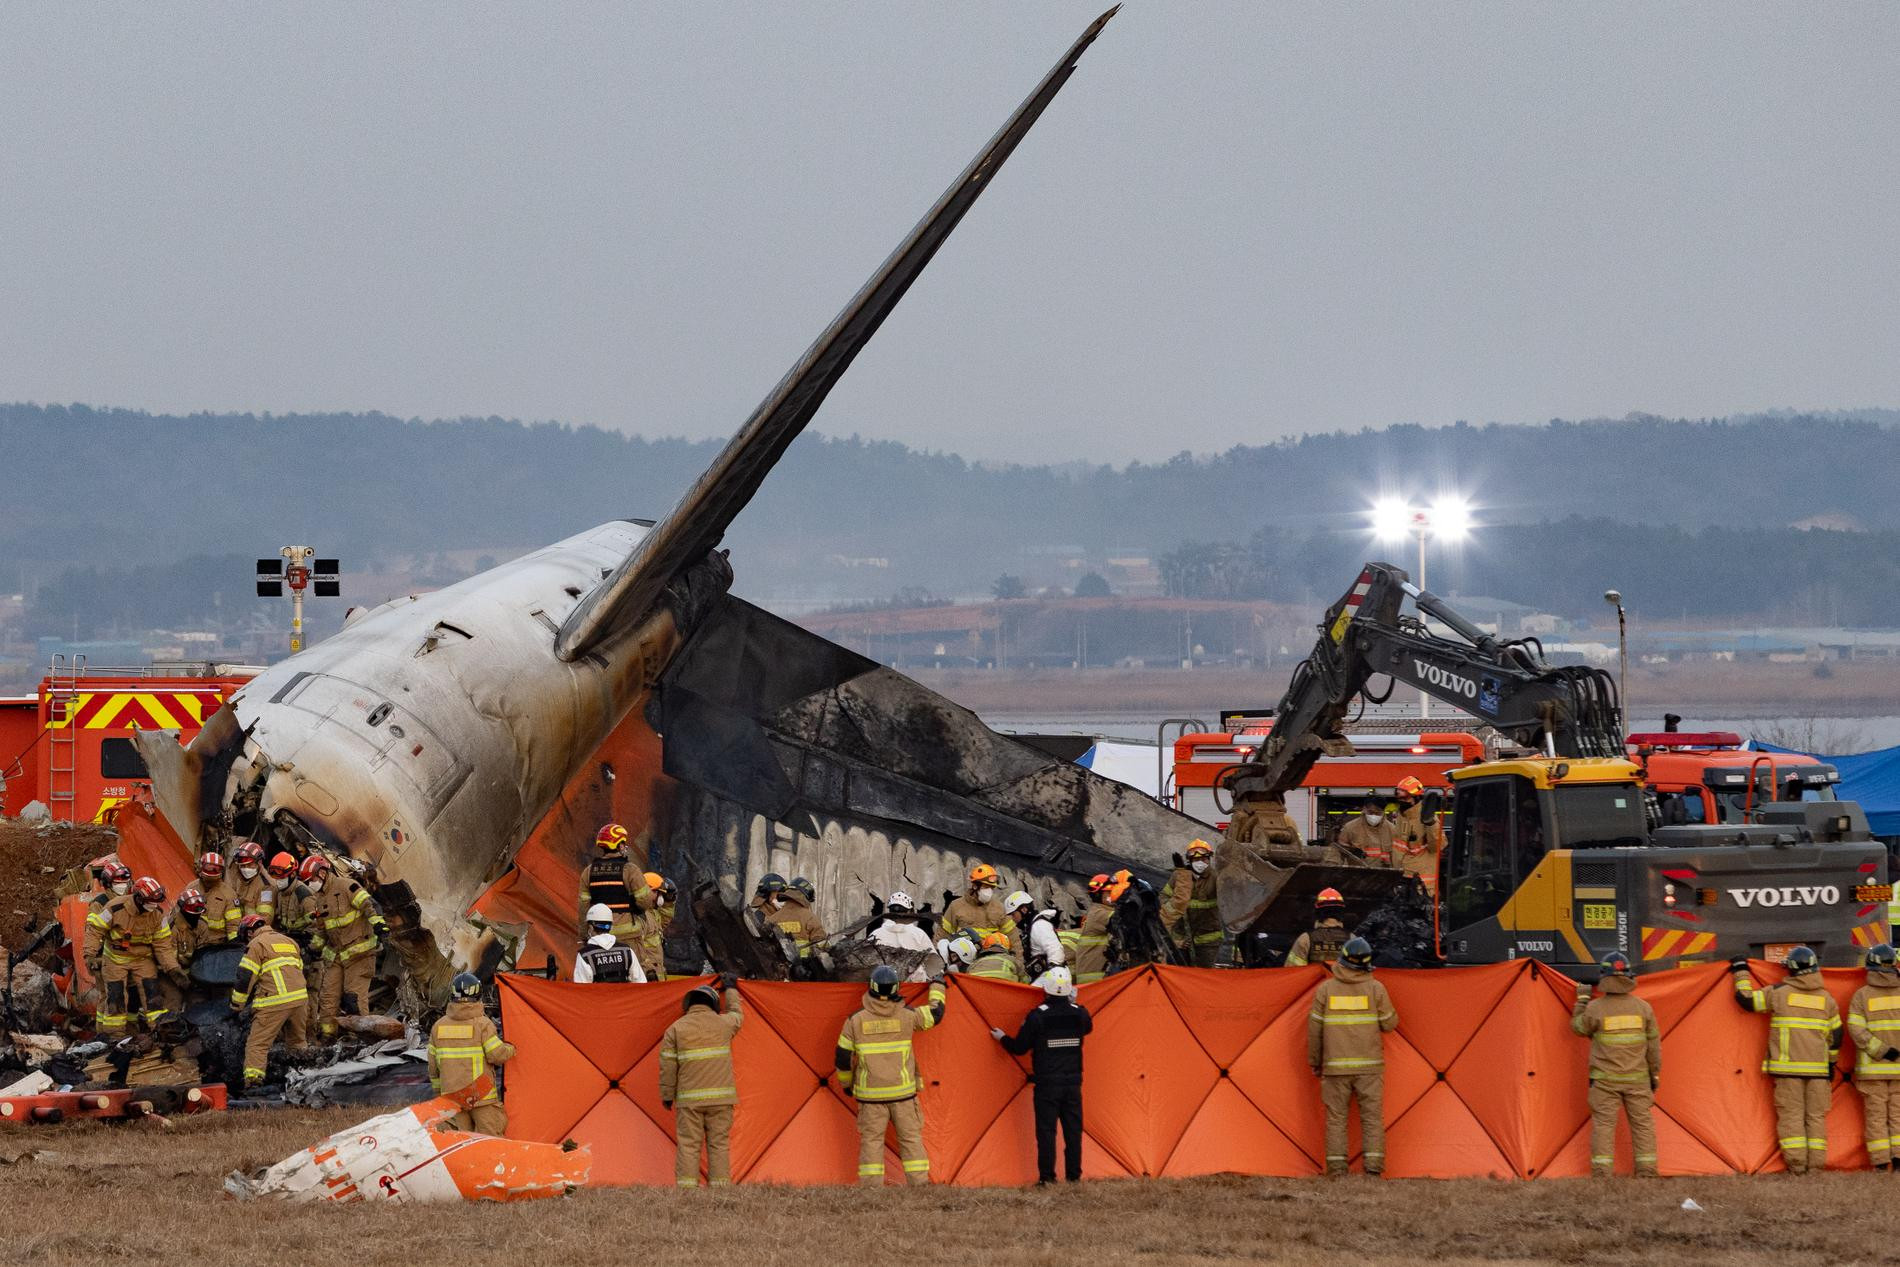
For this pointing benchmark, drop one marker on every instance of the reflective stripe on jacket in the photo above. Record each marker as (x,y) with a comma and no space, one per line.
(966,914)
(1804,1024)
(696,1056)
(874,1058)
(1873,1021)
(270,974)
(1190,907)
(996,964)
(123,934)
(1625,1044)
(462,1046)
(1350,1012)
(342,917)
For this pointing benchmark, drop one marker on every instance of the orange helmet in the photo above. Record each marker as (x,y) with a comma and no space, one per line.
(995,941)
(1200,849)
(1329,899)
(1118,885)
(983,873)
(611,836)
(282,866)
(655,880)
(1411,785)
(313,866)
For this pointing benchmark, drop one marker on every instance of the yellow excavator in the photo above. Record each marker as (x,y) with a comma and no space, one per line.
(1555,851)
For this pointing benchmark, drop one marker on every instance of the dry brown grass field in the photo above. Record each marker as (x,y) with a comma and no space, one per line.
(139,1193)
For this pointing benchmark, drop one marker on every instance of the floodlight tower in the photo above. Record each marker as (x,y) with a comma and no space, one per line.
(1447,519)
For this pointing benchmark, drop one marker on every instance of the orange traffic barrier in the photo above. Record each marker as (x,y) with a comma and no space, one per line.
(1189,1071)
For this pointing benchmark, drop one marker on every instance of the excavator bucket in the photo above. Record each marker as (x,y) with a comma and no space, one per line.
(1269,881)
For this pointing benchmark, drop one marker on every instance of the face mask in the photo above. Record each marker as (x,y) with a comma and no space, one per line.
(247,873)
(121,889)
(280,884)
(316,885)
(1373,816)
(985,893)
(1200,866)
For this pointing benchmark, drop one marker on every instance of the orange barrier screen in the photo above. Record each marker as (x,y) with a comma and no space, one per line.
(1189,1071)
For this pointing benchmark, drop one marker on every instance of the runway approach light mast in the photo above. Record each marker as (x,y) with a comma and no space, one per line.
(300,570)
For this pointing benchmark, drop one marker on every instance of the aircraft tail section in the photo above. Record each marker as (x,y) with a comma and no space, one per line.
(698,522)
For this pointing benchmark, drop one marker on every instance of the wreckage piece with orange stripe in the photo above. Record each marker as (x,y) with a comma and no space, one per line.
(407,1156)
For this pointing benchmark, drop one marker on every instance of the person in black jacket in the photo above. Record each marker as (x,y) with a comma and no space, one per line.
(1054,1032)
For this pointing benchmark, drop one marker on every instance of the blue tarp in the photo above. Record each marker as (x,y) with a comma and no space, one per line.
(1871,778)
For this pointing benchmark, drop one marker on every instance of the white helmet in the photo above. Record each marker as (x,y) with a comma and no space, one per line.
(899,903)
(961,948)
(600,913)
(1016,901)
(1058,983)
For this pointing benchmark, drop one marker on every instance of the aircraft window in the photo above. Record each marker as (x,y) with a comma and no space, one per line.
(120,759)
(378,715)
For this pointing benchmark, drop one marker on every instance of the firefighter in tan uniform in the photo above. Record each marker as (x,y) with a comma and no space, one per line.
(876,1065)
(462,1047)
(222,908)
(188,935)
(128,943)
(993,960)
(698,1084)
(1370,833)
(796,919)
(1089,946)
(1346,1049)
(1328,934)
(1625,1065)
(612,878)
(252,888)
(1190,906)
(346,929)
(980,910)
(270,983)
(1804,1036)
(1417,842)
(1873,1022)
(652,942)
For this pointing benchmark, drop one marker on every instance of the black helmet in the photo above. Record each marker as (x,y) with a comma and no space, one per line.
(1615,964)
(465,986)
(884,982)
(1802,959)
(769,884)
(805,888)
(1882,957)
(1357,952)
(700,996)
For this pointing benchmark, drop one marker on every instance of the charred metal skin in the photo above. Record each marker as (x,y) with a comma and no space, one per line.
(433,733)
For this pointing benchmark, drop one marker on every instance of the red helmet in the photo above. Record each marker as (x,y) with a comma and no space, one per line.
(210,866)
(1329,899)
(611,836)
(191,902)
(250,851)
(1411,785)
(251,925)
(98,865)
(313,866)
(148,891)
(115,872)
(1096,884)
(282,866)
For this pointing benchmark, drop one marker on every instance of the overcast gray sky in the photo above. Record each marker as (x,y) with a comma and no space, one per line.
(1237,222)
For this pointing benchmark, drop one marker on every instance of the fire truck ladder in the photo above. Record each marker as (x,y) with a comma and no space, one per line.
(62,737)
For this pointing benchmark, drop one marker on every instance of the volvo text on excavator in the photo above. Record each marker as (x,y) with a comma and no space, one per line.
(1555,852)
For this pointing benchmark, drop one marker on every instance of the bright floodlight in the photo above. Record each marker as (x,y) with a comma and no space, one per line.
(1451,519)
(1391,519)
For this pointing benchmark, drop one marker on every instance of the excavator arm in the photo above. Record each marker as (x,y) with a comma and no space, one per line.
(1568,711)
(1268,871)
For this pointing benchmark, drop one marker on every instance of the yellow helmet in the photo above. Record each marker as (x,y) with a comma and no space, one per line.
(1200,849)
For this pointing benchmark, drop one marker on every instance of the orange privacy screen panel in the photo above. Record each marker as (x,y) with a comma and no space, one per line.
(1189,1072)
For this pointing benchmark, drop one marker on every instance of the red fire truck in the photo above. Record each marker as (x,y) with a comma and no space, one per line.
(69,746)
(1336,787)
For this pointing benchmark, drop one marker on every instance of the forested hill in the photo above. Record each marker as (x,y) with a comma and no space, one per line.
(116,488)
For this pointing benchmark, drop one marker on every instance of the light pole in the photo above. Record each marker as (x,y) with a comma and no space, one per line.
(1615,599)
(298,568)
(1447,519)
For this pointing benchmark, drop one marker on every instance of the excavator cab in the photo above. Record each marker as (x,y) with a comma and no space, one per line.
(1506,883)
